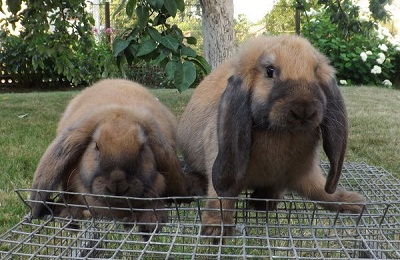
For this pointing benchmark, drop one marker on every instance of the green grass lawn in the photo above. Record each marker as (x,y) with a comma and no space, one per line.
(28,122)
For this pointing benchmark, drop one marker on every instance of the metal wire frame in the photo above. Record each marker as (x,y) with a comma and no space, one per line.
(298,229)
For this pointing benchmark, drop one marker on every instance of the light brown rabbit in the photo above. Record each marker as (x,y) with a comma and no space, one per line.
(255,123)
(115,138)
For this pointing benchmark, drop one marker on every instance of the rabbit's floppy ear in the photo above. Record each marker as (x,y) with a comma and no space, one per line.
(234,123)
(60,158)
(167,163)
(334,130)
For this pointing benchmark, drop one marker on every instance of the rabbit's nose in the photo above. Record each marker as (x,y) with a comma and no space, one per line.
(303,113)
(118,184)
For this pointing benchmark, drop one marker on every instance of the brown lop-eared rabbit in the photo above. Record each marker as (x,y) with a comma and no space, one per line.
(115,138)
(255,123)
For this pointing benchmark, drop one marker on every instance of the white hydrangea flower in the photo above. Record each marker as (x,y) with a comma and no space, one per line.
(312,12)
(363,56)
(387,83)
(376,70)
(394,41)
(385,31)
(368,52)
(383,47)
(381,58)
(398,48)
(343,82)
(380,36)
(363,18)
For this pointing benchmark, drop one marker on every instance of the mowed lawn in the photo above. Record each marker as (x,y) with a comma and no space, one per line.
(28,122)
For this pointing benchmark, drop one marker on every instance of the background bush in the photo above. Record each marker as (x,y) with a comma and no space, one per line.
(363,52)
(56,44)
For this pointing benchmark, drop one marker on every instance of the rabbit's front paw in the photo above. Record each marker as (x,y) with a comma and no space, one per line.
(151,221)
(353,202)
(213,226)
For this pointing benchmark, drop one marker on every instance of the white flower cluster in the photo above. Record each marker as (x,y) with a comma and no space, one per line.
(381,58)
(376,70)
(383,47)
(387,83)
(312,12)
(364,55)
(384,33)
(343,82)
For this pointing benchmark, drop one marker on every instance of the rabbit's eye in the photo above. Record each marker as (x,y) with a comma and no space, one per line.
(270,71)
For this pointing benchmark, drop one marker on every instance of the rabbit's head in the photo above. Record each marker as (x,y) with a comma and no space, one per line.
(288,81)
(280,84)
(118,159)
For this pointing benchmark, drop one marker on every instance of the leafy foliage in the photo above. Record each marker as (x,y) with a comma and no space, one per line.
(56,43)
(280,18)
(362,53)
(344,12)
(153,40)
(242,29)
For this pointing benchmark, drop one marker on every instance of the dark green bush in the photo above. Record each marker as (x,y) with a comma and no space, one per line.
(366,53)
(56,44)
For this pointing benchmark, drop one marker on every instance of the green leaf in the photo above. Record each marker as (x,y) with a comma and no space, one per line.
(146,47)
(154,34)
(60,69)
(167,41)
(130,6)
(187,51)
(142,13)
(171,7)
(131,52)
(50,52)
(202,63)
(144,37)
(170,69)
(121,62)
(185,75)
(14,5)
(170,42)
(69,64)
(159,19)
(35,62)
(162,56)
(119,45)
(191,40)
(156,3)
(177,33)
(180,5)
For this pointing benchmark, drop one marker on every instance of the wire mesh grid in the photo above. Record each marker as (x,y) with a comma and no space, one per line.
(297,229)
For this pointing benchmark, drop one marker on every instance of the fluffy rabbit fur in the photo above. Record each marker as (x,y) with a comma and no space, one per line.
(255,123)
(115,138)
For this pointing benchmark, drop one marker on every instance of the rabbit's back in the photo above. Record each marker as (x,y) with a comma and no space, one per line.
(121,93)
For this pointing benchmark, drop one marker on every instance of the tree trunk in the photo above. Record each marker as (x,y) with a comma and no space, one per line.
(218,30)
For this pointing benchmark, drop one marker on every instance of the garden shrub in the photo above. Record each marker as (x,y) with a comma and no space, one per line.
(56,45)
(42,60)
(365,54)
